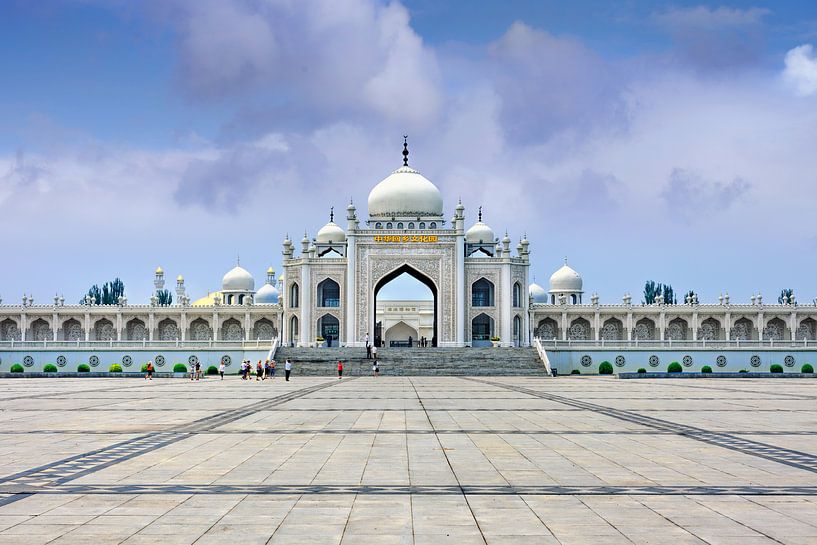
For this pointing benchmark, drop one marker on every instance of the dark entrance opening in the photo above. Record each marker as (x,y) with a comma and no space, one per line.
(409,270)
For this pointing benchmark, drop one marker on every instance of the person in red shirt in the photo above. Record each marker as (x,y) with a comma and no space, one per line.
(340,369)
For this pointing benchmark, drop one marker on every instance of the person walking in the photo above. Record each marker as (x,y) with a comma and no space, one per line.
(149,371)
(259,371)
(287,369)
(244,370)
(272,369)
(374,352)
(340,369)
(368,348)
(198,370)
(375,369)
(221,370)
(266,370)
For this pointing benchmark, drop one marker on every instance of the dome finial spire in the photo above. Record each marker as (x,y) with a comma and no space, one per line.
(237,258)
(405,150)
(480,214)
(331,214)
(565,260)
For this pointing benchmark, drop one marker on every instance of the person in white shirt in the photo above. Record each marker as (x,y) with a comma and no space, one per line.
(221,370)
(287,369)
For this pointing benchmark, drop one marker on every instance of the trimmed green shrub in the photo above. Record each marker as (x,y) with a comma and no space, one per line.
(642,370)
(115,368)
(743,371)
(50,368)
(83,368)
(180,368)
(776,368)
(807,368)
(605,368)
(675,367)
(212,370)
(706,369)
(16,368)
(144,367)
(575,372)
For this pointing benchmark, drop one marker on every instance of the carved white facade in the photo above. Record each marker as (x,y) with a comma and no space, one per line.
(479,288)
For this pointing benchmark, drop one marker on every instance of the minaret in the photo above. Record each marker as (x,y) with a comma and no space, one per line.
(159,279)
(180,291)
(271,276)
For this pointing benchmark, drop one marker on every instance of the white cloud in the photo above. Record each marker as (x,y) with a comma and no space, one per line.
(801,70)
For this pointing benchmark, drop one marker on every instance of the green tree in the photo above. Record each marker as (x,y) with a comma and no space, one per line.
(108,295)
(165,298)
(653,290)
(788,293)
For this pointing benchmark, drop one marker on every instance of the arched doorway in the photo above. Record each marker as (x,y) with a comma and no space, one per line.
(482,329)
(431,334)
(329,329)
(294,335)
(517,331)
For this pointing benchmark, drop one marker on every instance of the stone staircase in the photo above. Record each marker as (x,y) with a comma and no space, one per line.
(414,361)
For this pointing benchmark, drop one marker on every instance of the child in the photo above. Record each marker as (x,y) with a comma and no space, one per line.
(149,369)
(221,370)
(340,369)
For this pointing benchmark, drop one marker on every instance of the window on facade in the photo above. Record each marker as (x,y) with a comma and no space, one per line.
(400,225)
(328,293)
(517,295)
(378,225)
(432,225)
(422,225)
(411,225)
(388,225)
(481,328)
(294,298)
(482,293)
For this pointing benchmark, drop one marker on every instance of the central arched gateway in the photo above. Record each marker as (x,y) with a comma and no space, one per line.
(414,273)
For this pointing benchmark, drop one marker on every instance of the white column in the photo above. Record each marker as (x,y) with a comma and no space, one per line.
(87,326)
(759,325)
(55,325)
(662,325)
(307,332)
(23,326)
(461,291)
(353,336)
(215,325)
(727,327)
(247,324)
(119,325)
(183,326)
(507,302)
(630,325)
(793,325)
(564,325)
(695,325)
(151,325)
(597,322)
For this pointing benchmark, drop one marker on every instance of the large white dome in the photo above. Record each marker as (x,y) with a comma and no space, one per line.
(479,233)
(331,232)
(238,279)
(267,295)
(537,293)
(565,280)
(405,193)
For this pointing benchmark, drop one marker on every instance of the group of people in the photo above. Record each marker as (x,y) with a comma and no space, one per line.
(262,371)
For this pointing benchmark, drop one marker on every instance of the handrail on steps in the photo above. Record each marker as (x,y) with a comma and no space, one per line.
(542,355)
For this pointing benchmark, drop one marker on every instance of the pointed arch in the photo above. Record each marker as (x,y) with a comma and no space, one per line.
(417,275)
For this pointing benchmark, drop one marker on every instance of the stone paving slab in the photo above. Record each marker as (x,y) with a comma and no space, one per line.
(408,460)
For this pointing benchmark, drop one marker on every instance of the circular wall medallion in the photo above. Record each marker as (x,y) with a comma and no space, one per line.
(160,360)
(620,361)
(93,361)
(193,360)
(754,361)
(28,361)
(61,361)
(226,360)
(720,361)
(586,361)
(687,361)
(127,361)
(654,361)
(788,361)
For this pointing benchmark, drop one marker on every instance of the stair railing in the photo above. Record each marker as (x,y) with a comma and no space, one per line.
(273,349)
(542,355)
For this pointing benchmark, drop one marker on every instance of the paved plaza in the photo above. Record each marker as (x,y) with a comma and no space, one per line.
(402,460)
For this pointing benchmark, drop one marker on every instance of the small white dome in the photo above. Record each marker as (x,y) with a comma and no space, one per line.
(565,280)
(479,233)
(405,193)
(537,293)
(331,232)
(238,279)
(267,295)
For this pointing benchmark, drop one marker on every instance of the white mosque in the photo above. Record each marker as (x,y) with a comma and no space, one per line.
(327,294)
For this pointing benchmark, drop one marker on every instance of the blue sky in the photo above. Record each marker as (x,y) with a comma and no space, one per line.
(643,140)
